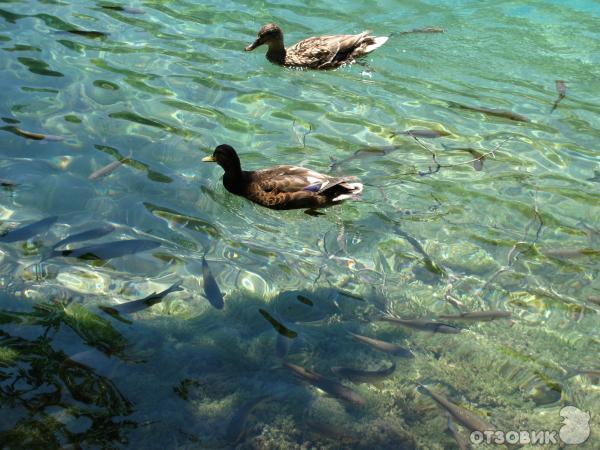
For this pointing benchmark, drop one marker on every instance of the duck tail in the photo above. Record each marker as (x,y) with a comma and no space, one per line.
(377,42)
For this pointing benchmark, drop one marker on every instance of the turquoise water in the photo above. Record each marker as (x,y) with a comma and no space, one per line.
(169,84)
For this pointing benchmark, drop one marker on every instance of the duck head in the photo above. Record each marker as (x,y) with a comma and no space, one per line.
(269,34)
(225,156)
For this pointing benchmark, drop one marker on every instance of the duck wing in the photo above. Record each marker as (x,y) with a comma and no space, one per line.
(286,179)
(326,51)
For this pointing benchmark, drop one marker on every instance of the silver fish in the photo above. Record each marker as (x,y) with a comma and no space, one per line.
(211,288)
(109,168)
(325,384)
(493,112)
(28,231)
(463,416)
(109,250)
(146,302)
(423,325)
(94,233)
(363,376)
(477,315)
(387,347)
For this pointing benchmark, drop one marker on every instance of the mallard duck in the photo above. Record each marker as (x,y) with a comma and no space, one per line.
(283,187)
(323,52)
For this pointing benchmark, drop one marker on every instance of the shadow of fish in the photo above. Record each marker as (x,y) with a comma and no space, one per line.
(141,304)
(236,429)
(123,9)
(492,112)
(279,327)
(211,288)
(109,168)
(463,416)
(94,233)
(109,250)
(7,183)
(561,89)
(481,316)
(478,157)
(595,178)
(423,325)
(383,346)
(88,34)
(28,231)
(305,300)
(363,376)
(331,387)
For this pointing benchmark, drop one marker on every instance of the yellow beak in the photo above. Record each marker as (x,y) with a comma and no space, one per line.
(210,158)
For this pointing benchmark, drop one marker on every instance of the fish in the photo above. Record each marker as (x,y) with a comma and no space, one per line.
(423,325)
(335,433)
(88,34)
(108,250)
(332,387)
(422,30)
(146,302)
(492,112)
(279,327)
(595,178)
(561,89)
(427,134)
(478,157)
(463,416)
(477,315)
(350,295)
(28,231)
(363,376)
(34,136)
(7,183)
(94,233)
(306,301)
(571,252)
(236,429)
(387,347)
(211,288)
(362,153)
(123,9)
(459,438)
(429,263)
(109,168)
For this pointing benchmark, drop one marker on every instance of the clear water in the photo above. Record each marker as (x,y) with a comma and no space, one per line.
(170,84)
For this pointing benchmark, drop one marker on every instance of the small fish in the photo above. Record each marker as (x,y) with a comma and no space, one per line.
(478,315)
(571,252)
(7,183)
(459,438)
(561,89)
(109,168)
(35,136)
(364,376)
(146,302)
(423,30)
(28,231)
(332,387)
(492,112)
(387,347)
(423,325)
(351,295)
(306,301)
(88,34)
(109,250)
(362,153)
(94,233)
(211,288)
(427,134)
(463,416)
(123,9)
(237,424)
(279,327)
(595,178)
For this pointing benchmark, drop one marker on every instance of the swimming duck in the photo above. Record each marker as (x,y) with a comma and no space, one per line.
(283,187)
(323,52)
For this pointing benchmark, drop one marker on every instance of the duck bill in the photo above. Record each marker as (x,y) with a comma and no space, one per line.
(252,46)
(209,159)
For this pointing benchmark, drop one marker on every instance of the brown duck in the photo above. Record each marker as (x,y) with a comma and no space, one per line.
(323,52)
(283,187)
